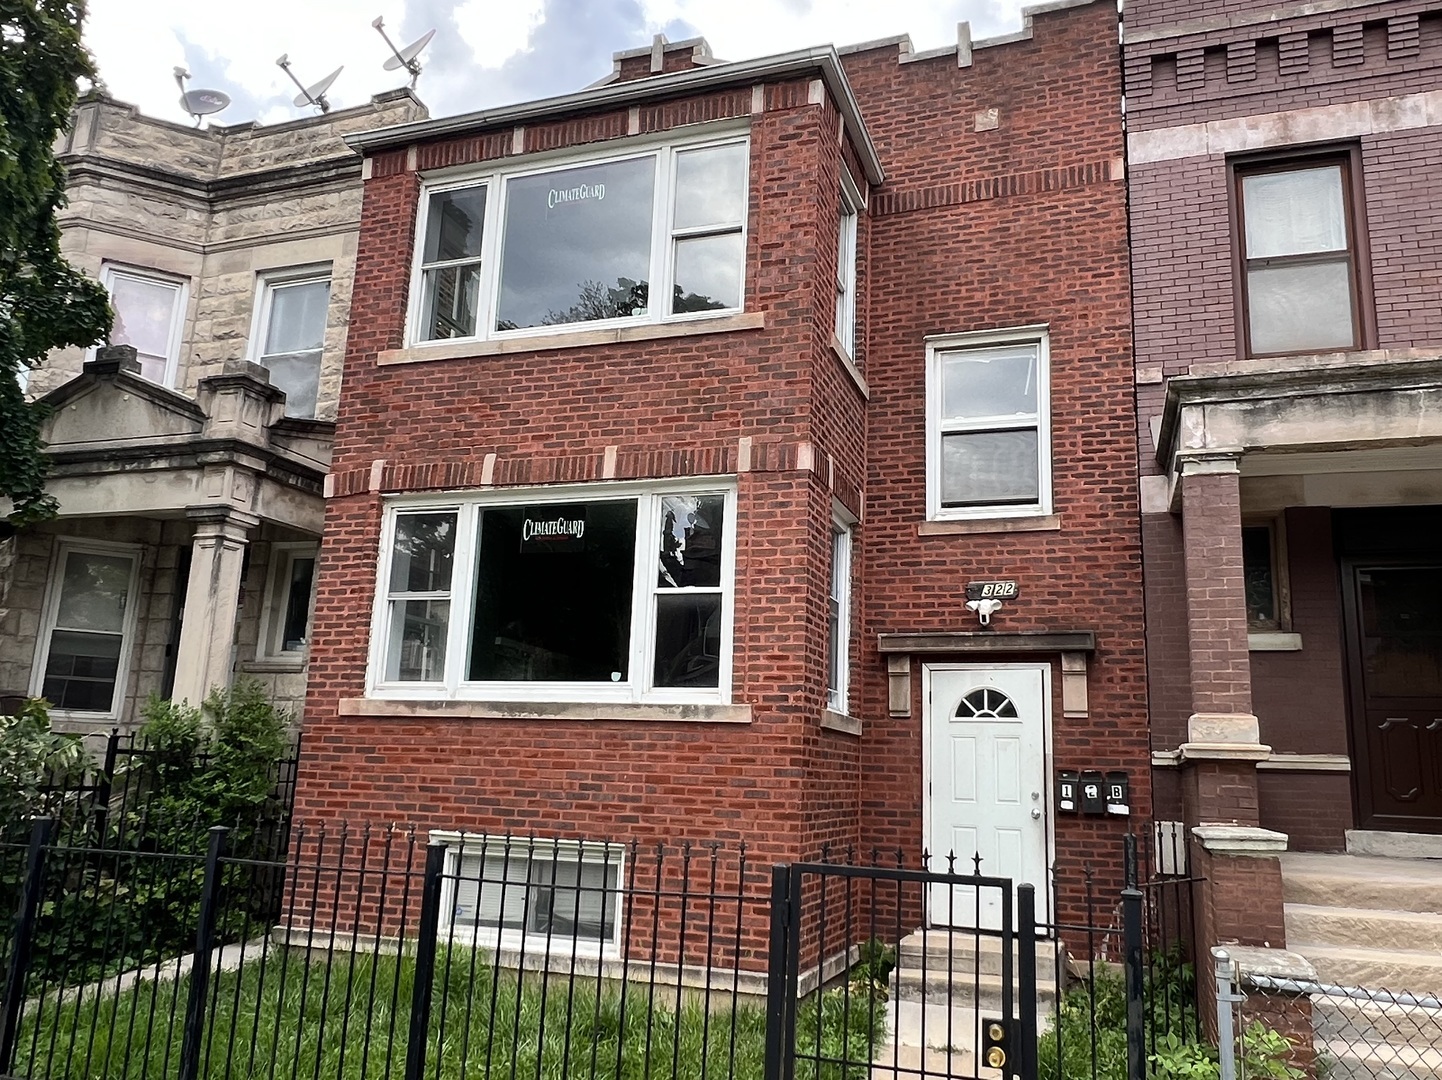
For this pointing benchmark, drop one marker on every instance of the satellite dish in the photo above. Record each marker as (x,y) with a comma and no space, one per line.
(310,95)
(408,57)
(199,103)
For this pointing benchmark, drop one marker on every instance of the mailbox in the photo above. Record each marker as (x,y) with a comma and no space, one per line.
(1093,793)
(1118,794)
(1068,799)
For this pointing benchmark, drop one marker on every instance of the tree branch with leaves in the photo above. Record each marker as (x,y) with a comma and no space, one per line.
(45,303)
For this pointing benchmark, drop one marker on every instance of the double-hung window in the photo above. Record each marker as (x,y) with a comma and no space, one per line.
(1300,274)
(846,270)
(89,622)
(285,618)
(582,595)
(505,890)
(647,236)
(838,620)
(148,313)
(988,425)
(289,335)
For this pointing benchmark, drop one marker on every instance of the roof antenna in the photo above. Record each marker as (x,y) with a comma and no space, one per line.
(408,57)
(199,103)
(310,95)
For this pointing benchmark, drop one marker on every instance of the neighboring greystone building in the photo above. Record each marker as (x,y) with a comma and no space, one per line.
(1287,265)
(189,458)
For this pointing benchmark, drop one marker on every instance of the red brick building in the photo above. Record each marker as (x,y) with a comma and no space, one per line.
(698,567)
(1286,244)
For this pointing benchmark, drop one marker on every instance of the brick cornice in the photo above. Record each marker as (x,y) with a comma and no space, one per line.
(1006,185)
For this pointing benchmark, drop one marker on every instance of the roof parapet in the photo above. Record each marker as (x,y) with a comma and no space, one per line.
(965,47)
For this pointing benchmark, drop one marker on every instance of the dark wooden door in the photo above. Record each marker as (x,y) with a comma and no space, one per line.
(1394,648)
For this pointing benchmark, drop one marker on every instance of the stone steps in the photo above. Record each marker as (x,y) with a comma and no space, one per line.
(1362,881)
(1321,924)
(1414,971)
(1364,1024)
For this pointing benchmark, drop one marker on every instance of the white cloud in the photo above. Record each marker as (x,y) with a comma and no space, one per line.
(486,52)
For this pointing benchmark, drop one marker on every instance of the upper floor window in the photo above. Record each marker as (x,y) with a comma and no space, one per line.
(592,595)
(838,620)
(148,314)
(646,237)
(290,335)
(1298,244)
(988,425)
(846,271)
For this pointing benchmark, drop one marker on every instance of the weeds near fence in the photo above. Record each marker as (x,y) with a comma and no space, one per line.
(346,1017)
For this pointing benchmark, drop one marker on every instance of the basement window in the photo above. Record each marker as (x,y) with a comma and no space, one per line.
(509,891)
(644,237)
(588,595)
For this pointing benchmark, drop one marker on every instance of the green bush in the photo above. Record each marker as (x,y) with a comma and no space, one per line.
(32,759)
(1091,1026)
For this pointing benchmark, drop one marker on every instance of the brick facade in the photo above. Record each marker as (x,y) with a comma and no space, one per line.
(1205,90)
(972,229)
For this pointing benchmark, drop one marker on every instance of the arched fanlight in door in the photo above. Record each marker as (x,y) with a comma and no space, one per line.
(986,703)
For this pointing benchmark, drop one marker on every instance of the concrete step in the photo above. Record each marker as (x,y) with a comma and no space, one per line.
(966,952)
(1415,971)
(967,988)
(1321,924)
(915,1026)
(1367,1023)
(1339,1059)
(1362,881)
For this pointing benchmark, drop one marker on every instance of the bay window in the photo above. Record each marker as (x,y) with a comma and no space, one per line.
(574,595)
(647,236)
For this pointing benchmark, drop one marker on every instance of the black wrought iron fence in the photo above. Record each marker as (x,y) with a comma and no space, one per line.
(393,954)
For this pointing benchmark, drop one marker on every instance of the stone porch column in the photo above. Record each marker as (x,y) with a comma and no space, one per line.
(212,601)
(1241,897)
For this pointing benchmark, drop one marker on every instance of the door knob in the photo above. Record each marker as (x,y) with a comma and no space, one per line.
(1035,814)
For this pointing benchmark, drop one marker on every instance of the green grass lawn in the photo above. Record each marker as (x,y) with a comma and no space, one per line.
(348,1019)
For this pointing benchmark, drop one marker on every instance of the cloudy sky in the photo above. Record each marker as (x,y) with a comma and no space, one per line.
(485,53)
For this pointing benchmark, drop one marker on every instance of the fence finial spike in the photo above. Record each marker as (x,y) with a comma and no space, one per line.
(976,863)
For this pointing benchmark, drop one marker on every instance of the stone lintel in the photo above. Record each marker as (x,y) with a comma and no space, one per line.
(1246,840)
(986,641)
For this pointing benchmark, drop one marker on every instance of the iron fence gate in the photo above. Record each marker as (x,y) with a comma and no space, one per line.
(898,971)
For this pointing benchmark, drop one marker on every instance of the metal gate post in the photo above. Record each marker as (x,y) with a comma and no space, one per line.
(194,1029)
(24,942)
(1226,998)
(777,1006)
(423,989)
(1136,1010)
(1026,977)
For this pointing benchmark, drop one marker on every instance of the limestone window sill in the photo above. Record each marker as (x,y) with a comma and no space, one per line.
(459,350)
(1273,641)
(840,352)
(273,665)
(835,721)
(546,710)
(971,527)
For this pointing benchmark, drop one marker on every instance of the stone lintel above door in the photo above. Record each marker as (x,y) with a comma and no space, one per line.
(1073,645)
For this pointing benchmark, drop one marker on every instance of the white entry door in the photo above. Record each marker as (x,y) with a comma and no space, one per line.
(987,735)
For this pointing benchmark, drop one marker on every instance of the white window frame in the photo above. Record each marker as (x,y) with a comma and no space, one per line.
(663,237)
(598,852)
(109,271)
(938,346)
(56,581)
(851,207)
(843,535)
(639,687)
(266,282)
(269,643)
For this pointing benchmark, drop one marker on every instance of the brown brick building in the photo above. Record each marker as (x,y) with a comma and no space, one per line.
(678,415)
(1286,238)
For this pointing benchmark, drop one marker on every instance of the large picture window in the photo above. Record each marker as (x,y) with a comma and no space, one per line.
(988,443)
(583,596)
(85,640)
(1299,276)
(646,237)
